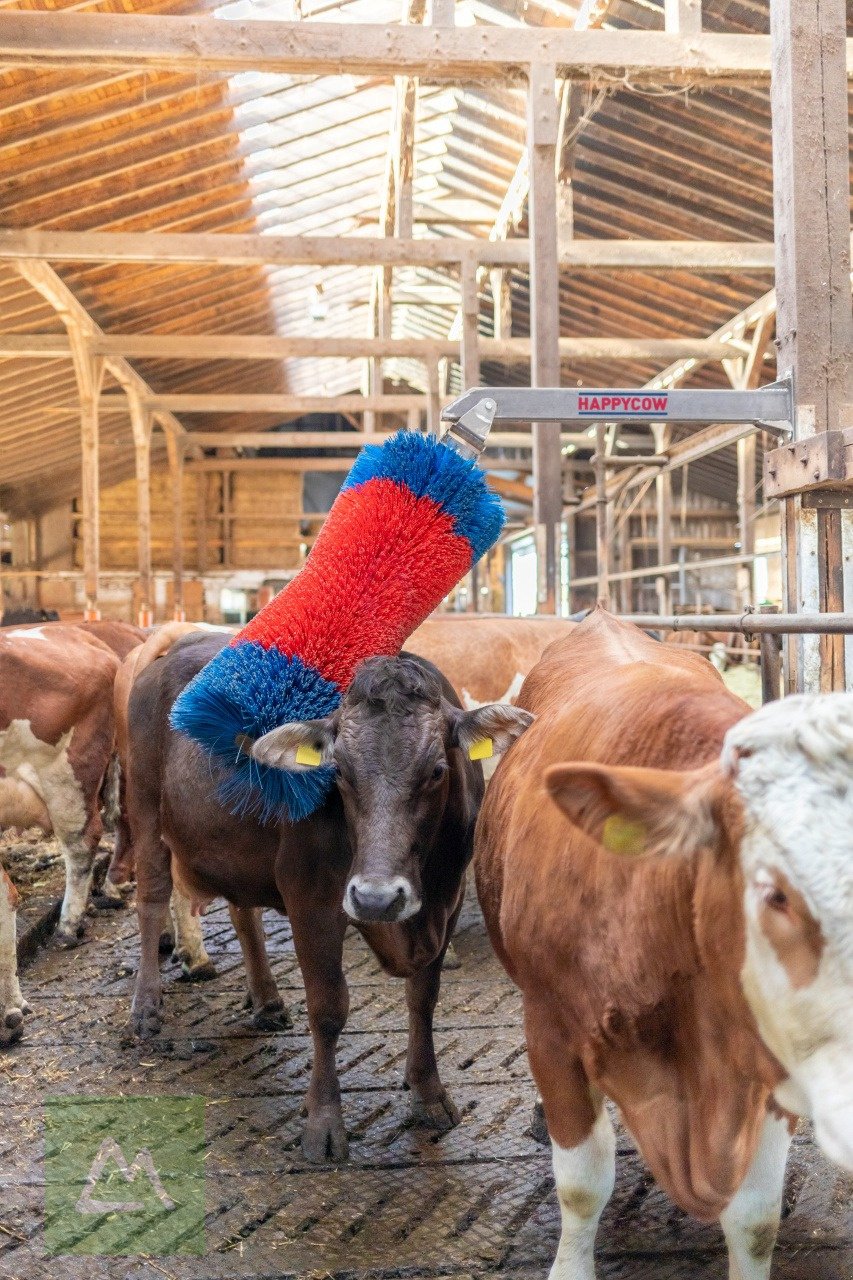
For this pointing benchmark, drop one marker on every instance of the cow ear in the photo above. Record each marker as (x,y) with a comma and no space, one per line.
(636,812)
(300,745)
(490,730)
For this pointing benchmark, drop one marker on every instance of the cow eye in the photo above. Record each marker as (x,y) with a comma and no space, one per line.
(777,900)
(439,771)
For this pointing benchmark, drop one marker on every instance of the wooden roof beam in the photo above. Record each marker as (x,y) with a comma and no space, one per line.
(225,250)
(352,439)
(49,346)
(254,402)
(434,53)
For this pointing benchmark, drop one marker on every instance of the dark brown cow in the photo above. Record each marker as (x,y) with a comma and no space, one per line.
(388,850)
(56,740)
(705,984)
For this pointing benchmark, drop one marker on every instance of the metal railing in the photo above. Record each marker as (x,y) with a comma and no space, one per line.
(767,625)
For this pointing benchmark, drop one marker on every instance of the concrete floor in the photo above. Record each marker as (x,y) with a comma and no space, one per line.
(477,1202)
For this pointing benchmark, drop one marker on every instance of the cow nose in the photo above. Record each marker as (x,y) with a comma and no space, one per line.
(380,899)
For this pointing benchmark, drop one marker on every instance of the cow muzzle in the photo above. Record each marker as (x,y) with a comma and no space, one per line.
(380,900)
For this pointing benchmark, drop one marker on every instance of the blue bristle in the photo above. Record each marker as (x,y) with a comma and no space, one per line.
(435,470)
(249,690)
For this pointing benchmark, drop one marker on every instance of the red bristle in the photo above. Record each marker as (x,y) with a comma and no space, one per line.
(380,563)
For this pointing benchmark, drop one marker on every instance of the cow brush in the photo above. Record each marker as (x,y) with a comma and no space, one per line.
(412,517)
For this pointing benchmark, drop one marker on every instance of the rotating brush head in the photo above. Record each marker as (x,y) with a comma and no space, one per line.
(411,519)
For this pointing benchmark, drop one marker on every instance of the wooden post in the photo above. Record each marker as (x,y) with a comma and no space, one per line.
(602,538)
(746,511)
(433,398)
(468,356)
(141,422)
(663,508)
(501,303)
(201,521)
(225,520)
(175,453)
(682,17)
(89,372)
(542,129)
(814,324)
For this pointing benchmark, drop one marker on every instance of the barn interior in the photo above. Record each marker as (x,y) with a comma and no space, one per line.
(177,415)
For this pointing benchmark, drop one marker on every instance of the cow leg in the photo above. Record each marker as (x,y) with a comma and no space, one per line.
(431,1103)
(12,1003)
(583,1144)
(196,964)
(154,887)
(78,851)
(268,1011)
(751,1219)
(119,878)
(318,936)
(585,1176)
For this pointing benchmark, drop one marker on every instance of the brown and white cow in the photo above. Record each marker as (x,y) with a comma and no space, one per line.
(56,740)
(387,850)
(680,923)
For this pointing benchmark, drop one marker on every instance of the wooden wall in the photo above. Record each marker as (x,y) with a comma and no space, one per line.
(251,521)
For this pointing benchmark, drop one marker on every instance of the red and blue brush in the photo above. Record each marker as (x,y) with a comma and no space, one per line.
(411,519)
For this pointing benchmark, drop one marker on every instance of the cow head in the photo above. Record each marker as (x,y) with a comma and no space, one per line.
(395,741)
(777,808)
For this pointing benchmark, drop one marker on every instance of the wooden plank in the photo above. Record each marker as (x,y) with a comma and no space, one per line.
(542,126)
(195,347)
(814,321)
(436,54)
(350,439)
(323,463)
(259,402)
(234,250)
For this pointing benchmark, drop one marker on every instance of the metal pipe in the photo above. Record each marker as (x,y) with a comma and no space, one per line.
(656,570)
(770,660)
(774,624)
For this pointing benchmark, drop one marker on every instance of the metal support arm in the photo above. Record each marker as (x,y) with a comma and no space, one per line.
(473,413)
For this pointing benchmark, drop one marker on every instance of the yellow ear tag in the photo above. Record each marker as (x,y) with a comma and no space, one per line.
(482,749)
(306,754)
(623,835)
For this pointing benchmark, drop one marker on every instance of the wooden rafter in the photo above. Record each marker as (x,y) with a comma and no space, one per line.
(258,250)
(49,346)
(436,54)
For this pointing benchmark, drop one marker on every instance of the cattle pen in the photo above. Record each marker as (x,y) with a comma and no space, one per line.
(299,299)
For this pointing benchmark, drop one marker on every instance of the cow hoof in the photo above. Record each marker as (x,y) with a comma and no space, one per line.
(451,959)
(272,1016)
(145,1022)
(12,1027)
(203,971)
(441,1114)
(166,945)
(538,1128)
(66,938)
(106,902)
(324,1138)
